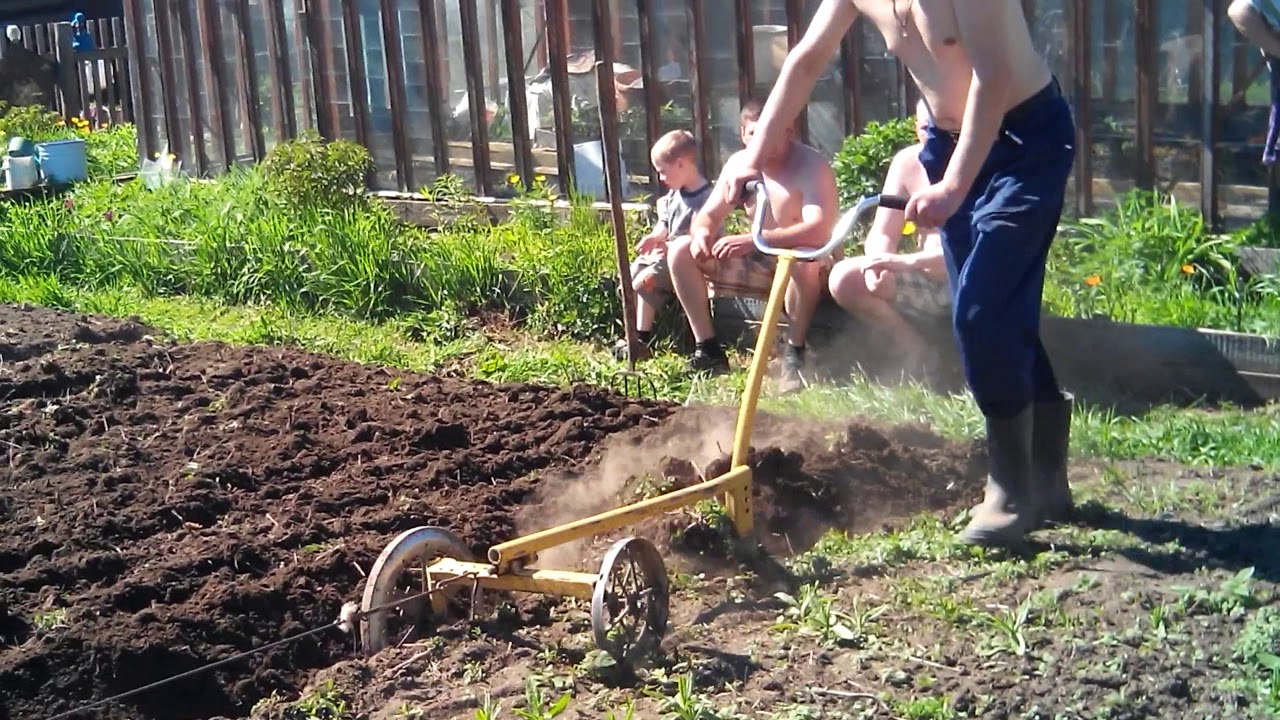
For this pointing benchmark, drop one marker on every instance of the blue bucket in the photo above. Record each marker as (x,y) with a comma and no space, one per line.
(63,161)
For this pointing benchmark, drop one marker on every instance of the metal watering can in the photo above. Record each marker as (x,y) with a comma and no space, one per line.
(21,167)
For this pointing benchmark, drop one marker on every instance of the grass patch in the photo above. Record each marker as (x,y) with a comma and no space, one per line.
(448,342)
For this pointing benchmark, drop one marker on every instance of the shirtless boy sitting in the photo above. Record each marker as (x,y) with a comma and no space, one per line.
(803,207)
(1000,147)
(888,288)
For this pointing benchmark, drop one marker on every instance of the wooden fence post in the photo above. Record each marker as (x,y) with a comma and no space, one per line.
(70,75)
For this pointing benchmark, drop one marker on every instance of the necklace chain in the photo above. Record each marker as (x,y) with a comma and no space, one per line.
(904,18)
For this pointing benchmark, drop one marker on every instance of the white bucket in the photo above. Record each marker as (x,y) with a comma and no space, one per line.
(588,172)
(21,173)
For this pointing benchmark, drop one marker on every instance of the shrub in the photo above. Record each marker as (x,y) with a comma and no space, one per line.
(863,160)
(33,122)
(310,172)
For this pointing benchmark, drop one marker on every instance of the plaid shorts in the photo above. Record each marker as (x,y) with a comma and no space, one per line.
(917,295)
(651,279)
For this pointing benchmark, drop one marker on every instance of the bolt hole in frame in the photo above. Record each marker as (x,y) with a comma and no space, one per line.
(630,595)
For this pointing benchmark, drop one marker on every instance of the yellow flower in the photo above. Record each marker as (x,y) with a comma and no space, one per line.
(540,178)
(513,178)
(909,228)
(1188,269)
(1093,280)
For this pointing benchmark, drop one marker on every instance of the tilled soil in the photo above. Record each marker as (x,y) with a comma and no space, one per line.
(170,505)
(164,506)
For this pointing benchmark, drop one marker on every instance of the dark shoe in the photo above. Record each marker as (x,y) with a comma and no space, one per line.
(1010,510)
(792,365)
(1050,445)
(711,360)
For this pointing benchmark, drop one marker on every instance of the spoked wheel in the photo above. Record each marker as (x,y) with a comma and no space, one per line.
(631,600)
(401,572)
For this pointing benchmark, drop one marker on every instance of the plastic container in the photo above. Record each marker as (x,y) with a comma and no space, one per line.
(63,161)
(20,173)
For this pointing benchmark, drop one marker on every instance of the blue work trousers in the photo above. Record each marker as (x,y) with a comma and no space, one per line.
(996,246)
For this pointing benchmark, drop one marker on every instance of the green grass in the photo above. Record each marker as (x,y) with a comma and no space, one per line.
(438,342)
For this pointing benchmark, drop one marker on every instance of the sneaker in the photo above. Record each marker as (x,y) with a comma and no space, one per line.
(709,360)
(792,364)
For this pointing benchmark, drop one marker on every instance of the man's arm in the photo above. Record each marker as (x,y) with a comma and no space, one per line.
(711,216)
(885,233)
(984,34)
(1254,27)
(818,215)
(800,72)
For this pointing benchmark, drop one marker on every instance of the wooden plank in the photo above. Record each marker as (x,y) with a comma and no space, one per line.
(215,82)
(795,28)
(357,77)
(247,79)
(391,39)
(746,51)
(179,140)
(322,83)
(69,79)
(1211,70)
(437,78)
(1081,38)
(851,75)
(139,78)
(517,103)
(558,47)
(286,121)
(1145,49)
(198,158)
(702,92)
(475,94)
(649,72)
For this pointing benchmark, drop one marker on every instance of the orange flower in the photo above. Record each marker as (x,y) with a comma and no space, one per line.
(1188,269)
(1093,280)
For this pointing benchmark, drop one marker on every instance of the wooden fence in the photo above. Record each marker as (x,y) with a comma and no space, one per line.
(1168,95)
(93,84)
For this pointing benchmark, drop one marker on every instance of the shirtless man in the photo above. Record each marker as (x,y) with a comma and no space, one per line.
(803,204)
(887,288)
(998,155)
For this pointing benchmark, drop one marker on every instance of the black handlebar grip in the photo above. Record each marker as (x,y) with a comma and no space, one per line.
(894,202)
(750,188)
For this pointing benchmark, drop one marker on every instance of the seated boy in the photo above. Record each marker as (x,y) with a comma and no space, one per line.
(803,208)
(675,157)
(889,288)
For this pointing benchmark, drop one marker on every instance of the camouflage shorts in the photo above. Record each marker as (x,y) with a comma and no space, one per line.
(917,295)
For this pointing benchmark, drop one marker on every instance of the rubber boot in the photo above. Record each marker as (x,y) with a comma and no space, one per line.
(1050,444)
(1050,441)
(1012,509)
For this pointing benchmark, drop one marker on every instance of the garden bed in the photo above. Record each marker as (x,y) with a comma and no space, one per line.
(170,505)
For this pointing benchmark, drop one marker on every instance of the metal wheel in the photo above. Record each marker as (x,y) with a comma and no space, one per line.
(631,600)
(400,572)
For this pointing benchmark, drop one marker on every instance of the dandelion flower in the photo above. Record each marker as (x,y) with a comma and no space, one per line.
(1188,269)
(513,178)
(1093,280)
(909,228)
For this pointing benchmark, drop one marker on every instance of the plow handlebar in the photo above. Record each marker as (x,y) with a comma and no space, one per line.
(846,222)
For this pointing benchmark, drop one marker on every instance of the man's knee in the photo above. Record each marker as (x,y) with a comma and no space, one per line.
(680,252)
(848,279)
(1243,15)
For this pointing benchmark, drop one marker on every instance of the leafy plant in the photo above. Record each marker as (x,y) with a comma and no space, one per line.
(863,159)
(310,172)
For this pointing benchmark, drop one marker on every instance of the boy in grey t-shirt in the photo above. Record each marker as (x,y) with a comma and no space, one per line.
(675,157)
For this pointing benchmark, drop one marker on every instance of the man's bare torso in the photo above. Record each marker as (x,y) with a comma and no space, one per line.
(788,184)
(925,36)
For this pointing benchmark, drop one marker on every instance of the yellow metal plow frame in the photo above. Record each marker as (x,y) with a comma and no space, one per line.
(629,596)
